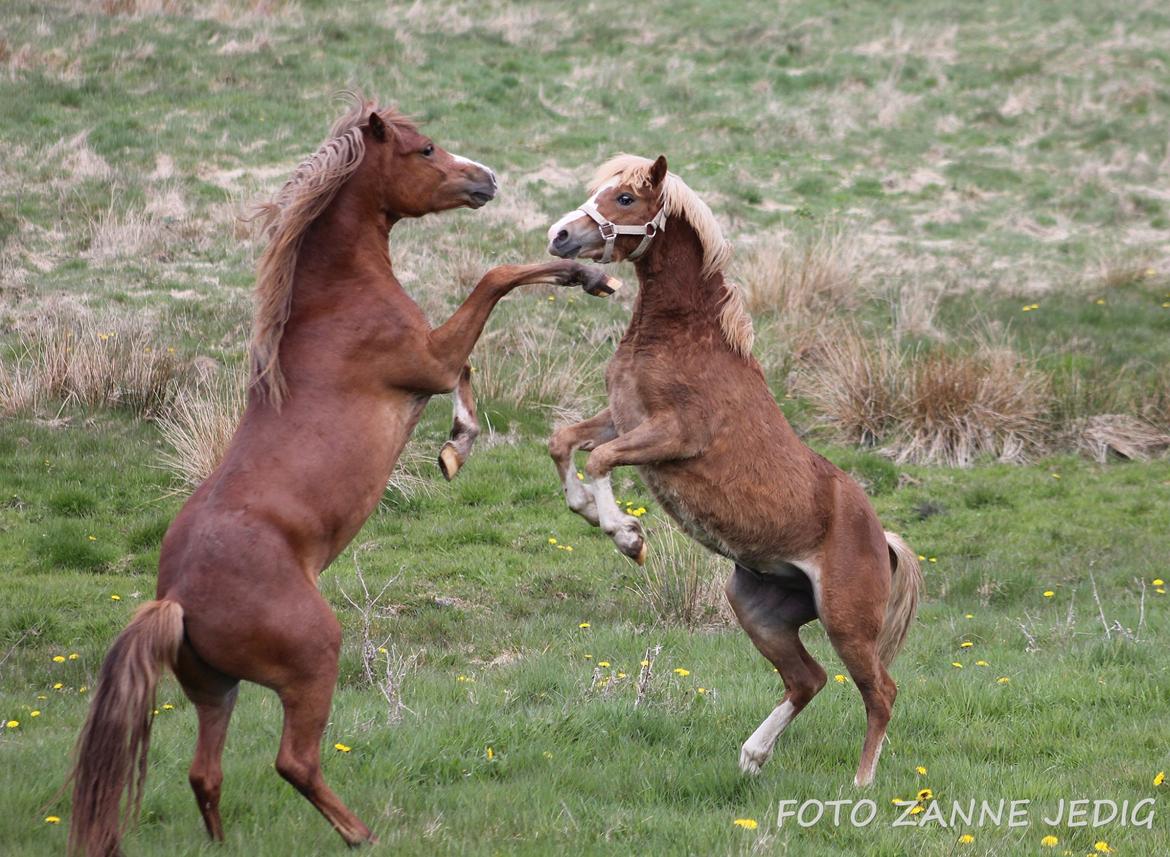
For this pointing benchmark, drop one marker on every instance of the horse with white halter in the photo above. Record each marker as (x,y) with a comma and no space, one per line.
(690,408)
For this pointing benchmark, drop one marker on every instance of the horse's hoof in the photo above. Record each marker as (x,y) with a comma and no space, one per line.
(641,557)
(449,462)
(751,760)
(604,287)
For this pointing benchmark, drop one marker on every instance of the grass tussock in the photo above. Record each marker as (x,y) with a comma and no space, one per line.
(1106,437)
(929,406)
(803,277)
(682,582)
(72,359)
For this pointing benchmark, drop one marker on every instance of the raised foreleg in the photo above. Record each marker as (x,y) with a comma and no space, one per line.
(658,439)
(586,435)
(464,428)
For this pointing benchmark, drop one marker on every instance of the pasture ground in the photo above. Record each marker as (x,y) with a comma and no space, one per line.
(968,161)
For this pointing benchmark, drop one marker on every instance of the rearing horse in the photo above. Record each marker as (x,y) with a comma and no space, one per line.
(343,365)
(689,406)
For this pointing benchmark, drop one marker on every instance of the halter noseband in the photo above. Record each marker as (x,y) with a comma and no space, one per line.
(610,230)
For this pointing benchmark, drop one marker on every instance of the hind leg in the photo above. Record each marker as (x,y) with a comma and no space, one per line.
(214,697)
(305,685)
(771,611)
(852,614)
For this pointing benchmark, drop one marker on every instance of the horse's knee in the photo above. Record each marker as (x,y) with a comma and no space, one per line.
(559,447)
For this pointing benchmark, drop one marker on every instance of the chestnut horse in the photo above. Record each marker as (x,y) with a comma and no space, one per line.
(343,365)
(689,407)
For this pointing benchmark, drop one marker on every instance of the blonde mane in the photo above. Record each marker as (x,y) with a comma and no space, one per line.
(286,219)
(678,199)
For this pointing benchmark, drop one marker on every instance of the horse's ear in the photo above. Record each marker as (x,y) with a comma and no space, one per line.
(658,171)
(377,127)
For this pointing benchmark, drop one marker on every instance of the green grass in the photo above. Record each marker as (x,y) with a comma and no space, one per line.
(1009,154)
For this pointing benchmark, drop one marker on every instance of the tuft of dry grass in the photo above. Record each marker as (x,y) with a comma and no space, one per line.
(804,277)
(682,582)
(76,359)
(1119,436)
(929,407)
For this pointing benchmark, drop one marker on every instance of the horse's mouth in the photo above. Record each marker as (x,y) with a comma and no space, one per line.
(479,198)
(565,250)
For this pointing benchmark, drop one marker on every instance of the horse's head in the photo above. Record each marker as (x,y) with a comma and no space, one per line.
(617,222)
(417,177)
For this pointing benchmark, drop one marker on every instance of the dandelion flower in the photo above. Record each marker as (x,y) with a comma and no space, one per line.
(12,724)
(966,839)
(342,748)
(552,541)
(491,754)
(52,819)
(1102,847)
(839,678)
(701,690)
(580,476)
(34,713)
(1054,475)
(621,675)
(547,754)
(1160,590)
(58,659)
(1159,581)
(1050,841)
(925,794)
(968,615)
(933,559)
(917,810)
(922,557)
(82,689)
(74,656)
(746,823)
(603,663)
(921,770)
(115,597)
(1048,593)
(583,625)
(1159,778)
(1003,679)
(956,665)
(645,663)
(168,707)
(966,644)
(58,686)
(680,671)
(982,664)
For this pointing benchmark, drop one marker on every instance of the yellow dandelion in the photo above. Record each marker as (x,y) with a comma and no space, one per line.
(580,476)
(52,819)
(12,724)
(583,625)
(1102,847)
(922,558)
(681,672)
(74,656)
(34,713)
(382,650)
(547,754)
(92,538)
(552,541)
(968,615)
(966,644)
(925,794)
(82,689)
(920,770)
(933,559)
(155,713)
(342,748)
(1159,581)
(916,810)
(897,800)
(58,686)
(1049,841)
(1054,475)
(746,823)
(701,690)
(1159,778)
(956,665)
(58,659)
(168,707)
(839,678)
(1003,679)
(1048,593)
(115,597)
(621,675)
(982,664)
(966,839)
(1160,591)
(491,754)
(603,663)
(644,664)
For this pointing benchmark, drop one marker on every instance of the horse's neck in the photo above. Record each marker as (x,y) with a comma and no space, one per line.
(673,293)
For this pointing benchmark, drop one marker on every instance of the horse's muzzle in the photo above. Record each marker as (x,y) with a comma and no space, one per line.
(564,246)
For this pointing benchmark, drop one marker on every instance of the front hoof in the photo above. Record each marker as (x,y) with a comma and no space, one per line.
(600,284)
(752,759)
(449,461)
(632,544)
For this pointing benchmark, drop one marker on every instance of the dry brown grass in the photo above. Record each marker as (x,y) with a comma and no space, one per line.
(75,359)
(682,582)
(802,277)
(929,407)
(1119,436)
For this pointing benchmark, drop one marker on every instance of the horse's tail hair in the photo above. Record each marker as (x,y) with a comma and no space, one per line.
(905,588)
(111,752)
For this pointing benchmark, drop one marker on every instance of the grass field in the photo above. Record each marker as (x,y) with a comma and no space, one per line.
(944,176)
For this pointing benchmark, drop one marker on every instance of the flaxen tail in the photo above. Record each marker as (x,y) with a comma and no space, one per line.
(111,752)
(903,604)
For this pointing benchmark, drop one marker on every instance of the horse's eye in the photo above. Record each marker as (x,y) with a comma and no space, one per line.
(625,199)
(428,150)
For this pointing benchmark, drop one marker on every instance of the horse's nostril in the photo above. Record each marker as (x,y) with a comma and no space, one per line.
(562,237)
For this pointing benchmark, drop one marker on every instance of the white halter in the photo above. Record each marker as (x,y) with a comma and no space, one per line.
(610,230)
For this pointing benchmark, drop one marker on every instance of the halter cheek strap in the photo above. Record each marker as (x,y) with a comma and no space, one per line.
(610,230)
